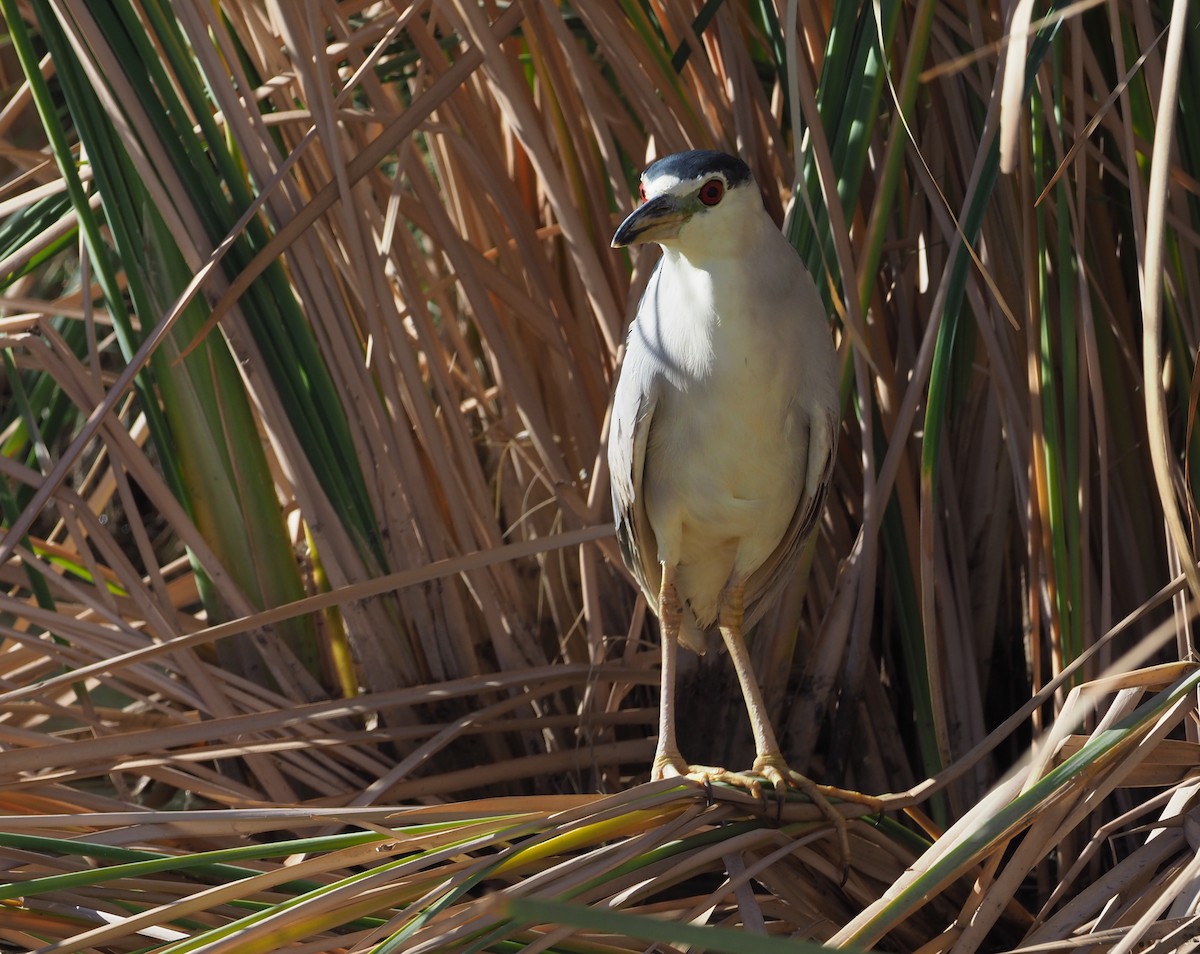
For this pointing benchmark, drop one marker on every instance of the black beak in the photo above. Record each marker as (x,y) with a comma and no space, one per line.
(652,221)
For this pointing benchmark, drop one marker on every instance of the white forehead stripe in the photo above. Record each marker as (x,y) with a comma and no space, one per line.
(664,184)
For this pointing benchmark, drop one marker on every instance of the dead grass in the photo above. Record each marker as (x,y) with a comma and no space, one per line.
(359,255)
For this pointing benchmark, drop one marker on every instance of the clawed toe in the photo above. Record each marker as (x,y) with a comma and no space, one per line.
(666,767)
(781,777)
(774,771)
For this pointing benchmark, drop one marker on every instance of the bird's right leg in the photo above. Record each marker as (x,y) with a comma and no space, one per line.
(668,763)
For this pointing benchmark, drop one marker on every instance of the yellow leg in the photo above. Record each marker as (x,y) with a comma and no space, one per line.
(668,762)
(768,761)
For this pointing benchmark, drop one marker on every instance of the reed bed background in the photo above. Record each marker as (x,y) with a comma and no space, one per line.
(313,633)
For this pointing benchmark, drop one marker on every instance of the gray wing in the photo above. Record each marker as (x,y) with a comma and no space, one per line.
(629,431)
(766,583)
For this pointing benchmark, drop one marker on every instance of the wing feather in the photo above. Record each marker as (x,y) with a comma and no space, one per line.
(634,404)
(766,583)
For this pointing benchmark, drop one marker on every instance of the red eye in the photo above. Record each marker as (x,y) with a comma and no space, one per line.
(642,190)
(712,192)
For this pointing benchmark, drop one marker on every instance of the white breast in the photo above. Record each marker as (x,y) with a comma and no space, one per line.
(726,464)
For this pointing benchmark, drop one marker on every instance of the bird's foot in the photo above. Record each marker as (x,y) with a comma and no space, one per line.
(667,766)
(776,771)
(781,776)
(673,766)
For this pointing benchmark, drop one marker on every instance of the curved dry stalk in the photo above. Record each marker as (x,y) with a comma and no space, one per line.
(392,227)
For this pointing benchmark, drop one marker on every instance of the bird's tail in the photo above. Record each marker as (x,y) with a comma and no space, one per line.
(691,634)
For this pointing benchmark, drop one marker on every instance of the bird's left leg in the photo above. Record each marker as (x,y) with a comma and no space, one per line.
(768,761)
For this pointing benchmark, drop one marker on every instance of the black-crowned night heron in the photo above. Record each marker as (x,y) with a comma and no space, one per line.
(724,426)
